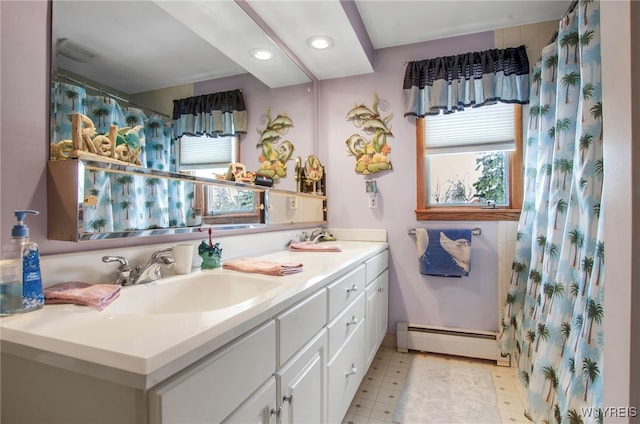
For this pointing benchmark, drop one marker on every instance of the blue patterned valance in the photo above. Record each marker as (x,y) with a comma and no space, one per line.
(452,83)
(215,114)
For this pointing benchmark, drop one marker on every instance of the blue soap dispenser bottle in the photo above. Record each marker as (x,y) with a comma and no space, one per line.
(32,294)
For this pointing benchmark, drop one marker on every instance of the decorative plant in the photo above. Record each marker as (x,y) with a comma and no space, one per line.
(371,155)
(275,153)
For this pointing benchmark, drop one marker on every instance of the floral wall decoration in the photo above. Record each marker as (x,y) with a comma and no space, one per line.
(371,153)
(274,152)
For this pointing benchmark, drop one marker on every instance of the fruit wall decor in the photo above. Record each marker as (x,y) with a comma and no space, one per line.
(371,153)
(274,152)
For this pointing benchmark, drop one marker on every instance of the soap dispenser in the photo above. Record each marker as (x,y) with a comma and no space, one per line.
(32,294)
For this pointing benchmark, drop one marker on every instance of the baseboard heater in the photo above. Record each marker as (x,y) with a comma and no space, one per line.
(450,341)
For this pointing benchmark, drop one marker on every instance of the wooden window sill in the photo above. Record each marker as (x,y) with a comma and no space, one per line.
(467,214)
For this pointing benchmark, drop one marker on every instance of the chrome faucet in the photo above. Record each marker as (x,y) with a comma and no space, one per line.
(318,234)
(128,276)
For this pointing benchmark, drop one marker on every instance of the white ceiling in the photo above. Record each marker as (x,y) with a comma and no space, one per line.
(145,45)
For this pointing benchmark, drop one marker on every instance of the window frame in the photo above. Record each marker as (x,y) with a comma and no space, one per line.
(511,212)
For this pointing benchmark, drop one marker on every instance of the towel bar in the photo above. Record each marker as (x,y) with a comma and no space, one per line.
(474,231)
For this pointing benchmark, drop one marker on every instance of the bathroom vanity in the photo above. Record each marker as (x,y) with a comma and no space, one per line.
(295,352)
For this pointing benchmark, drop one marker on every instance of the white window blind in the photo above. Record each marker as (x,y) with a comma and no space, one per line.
(481,129)
(206,152)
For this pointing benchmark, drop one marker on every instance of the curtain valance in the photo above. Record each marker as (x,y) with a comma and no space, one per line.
(215,114)
(451,83)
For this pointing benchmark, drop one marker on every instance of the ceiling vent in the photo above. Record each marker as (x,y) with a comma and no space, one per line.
(74,51)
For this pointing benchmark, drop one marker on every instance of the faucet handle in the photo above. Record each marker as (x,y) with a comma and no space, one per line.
(161,253)
(120,259)
(124,270)
(169,261)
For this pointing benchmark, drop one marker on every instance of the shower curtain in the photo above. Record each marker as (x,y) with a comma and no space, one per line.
(125,202)
(552,324)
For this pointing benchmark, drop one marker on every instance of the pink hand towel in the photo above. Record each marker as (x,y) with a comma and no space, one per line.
(309,246)
(98,296)
(262,266)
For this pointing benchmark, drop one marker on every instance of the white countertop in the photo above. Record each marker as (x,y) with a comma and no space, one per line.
(143,349)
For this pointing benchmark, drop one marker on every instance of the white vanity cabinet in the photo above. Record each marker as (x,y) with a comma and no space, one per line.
(301,361)
(377,303)
(303,366)
(209,391)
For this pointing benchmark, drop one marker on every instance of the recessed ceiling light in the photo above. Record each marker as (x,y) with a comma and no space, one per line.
(320,42)
(261,54)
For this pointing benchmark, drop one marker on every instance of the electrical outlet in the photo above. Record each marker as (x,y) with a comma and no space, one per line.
(293,202)
(373,200)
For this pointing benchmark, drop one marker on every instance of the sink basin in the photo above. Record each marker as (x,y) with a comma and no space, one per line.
(199,292)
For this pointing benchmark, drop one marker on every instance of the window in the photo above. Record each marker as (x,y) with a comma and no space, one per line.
(205,156)
(470,164)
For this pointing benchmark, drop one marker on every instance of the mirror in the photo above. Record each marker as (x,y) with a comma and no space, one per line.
(156,51)
(285,207)
(91,200)
(140,48)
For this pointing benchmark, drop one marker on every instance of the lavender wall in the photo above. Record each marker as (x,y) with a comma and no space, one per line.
(25,109)
(469,302)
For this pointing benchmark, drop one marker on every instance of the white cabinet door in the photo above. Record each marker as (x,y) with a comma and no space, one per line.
(371,326)
(383,306)
(213,388)
(376,314)
(303,384)
(260,408)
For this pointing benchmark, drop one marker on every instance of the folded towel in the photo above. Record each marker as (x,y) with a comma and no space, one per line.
(309,246)
(262,266)
(445,253)
(98,296)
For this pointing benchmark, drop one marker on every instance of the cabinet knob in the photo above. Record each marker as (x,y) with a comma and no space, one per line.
(286,398)
(275,412)
(352,288)
(353,321)
(260,207)
(352,371)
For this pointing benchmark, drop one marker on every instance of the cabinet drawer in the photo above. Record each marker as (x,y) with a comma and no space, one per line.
(345,372)
(376,265)
(212,389)
(345,324)
(344,290)
(299,324)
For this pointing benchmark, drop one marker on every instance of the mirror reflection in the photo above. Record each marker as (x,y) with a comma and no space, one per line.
(123,87)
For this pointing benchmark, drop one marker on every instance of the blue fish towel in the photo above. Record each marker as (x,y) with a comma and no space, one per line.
(444,253)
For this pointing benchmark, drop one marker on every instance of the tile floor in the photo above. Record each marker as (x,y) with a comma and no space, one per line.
(375,401)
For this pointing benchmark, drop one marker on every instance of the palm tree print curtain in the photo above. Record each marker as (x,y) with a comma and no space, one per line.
(124,202)
(552,325)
